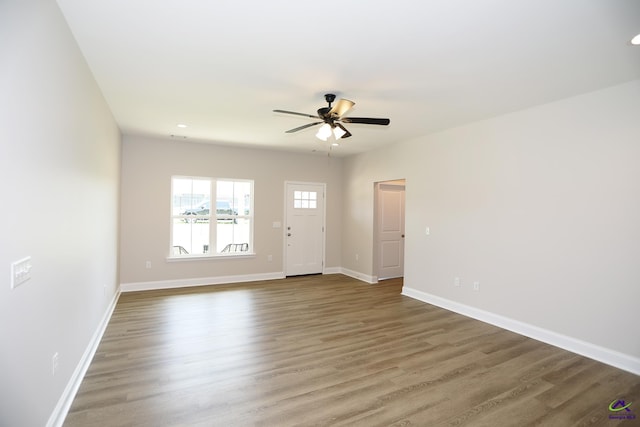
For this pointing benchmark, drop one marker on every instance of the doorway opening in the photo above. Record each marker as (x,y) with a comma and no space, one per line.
(389,229)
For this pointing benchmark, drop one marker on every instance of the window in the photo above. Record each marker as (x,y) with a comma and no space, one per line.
(194,225)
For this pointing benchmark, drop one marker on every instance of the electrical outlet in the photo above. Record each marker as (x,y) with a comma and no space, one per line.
(357,257)
(476,286)
(456,281)
(54,362)
(148,264)
(269,258)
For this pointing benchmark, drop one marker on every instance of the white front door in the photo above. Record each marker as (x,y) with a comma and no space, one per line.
(304,230)
(390,227)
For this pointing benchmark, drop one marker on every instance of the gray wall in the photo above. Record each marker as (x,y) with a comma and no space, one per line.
(541,206)
(149,163)
(59,159)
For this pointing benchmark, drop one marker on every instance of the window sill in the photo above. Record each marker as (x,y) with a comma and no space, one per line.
(247,255)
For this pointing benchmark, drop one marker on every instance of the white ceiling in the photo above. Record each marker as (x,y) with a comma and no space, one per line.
(222,66)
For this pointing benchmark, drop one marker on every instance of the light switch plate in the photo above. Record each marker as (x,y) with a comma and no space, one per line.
(20,272)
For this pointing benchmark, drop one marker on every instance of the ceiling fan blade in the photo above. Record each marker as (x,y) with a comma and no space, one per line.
(366,120)
(308,125)
(347,134)
(297,114)
(341,107)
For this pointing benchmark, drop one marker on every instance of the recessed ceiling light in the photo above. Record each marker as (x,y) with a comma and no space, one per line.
(182,125)
(335,144)
(636,40)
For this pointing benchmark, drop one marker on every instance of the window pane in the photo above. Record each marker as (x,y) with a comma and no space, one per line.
(190,196)
(233,198)
(190,237)
(242,198)
(191,208)
(233,236)
(182,199)
(224,198)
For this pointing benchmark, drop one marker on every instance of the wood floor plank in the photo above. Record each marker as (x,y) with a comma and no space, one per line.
(329,351)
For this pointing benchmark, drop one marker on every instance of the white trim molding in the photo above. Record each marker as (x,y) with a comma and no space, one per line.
(201,281)
(601,354)
(360,276)
(66,399)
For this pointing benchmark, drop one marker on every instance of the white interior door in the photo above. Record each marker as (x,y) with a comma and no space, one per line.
(390,230)
(304,229)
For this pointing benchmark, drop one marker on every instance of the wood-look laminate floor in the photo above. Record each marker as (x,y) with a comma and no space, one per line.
(331,351)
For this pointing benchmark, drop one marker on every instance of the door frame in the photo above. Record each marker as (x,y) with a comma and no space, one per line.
(284,225)
(376,232)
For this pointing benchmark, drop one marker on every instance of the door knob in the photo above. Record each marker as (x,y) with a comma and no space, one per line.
(403,236)
(289,234)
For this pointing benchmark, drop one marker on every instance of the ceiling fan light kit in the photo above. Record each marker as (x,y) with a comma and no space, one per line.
(338,133)
(324,132)
(331,119)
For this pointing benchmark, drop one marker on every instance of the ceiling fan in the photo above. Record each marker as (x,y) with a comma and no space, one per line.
(332,118)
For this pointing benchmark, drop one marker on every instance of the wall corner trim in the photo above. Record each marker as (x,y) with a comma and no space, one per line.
(614,358)
(360,276)
(66,399)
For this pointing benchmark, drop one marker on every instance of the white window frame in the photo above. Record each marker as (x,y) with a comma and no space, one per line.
(212,221)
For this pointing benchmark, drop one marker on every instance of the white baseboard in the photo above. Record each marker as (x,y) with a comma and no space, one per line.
(220,280)
(357,275)
(201,281)
(601,354)
(64,403)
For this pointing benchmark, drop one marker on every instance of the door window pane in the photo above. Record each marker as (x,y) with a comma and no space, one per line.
(305,199)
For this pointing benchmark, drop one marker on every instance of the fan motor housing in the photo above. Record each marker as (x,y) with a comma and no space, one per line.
(323,112)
